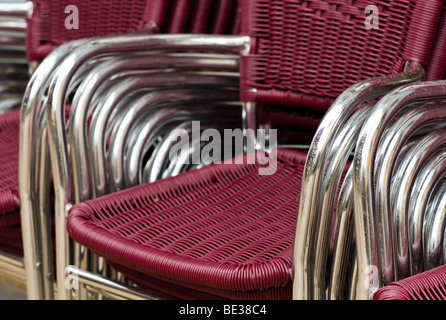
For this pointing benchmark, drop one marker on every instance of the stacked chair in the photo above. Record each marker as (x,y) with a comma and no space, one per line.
(227,231)
(30,31)
(153,16)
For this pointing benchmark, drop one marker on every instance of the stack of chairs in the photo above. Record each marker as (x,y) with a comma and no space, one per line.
(106,199)
(158,16)
(30,31)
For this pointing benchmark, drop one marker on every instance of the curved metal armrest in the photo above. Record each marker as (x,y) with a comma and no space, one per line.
(434,227)
(309,218)
(390,147)
(54,75)
(369,236)
(117,68)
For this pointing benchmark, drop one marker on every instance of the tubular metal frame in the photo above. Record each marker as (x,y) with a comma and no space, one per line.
(54,74)
(308,284)
(390,147)
(373,231)
(343,228)
(434,227)
(88,88)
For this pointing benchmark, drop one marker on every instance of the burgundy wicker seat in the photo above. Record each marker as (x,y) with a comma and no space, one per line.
(429,285)
(244,236)
(225,231)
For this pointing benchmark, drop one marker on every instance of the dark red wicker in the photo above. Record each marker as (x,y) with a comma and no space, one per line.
(429,285)
(224,230)
(100,18)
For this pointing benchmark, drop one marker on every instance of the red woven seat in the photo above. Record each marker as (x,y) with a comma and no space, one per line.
(223,230)
(428,285)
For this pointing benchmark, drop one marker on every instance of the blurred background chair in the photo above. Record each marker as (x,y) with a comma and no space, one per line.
(302,56)
(13,80)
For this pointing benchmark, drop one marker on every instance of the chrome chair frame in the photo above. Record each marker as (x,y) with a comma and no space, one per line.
(54,74)
(310,242)
(390,148)
(343,146)
(433,229)
(373,231)
(163,164)
(88,88)
(308,282)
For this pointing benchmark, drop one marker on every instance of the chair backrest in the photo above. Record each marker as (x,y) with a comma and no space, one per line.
(311,51)
(52,21)
(437,64)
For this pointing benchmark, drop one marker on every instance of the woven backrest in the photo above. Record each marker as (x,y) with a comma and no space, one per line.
(437,64)
(307,52)
(47,27)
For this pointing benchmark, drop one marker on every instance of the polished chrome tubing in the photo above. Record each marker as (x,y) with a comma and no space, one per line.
(115,102)
(17,9)
(210,129)
(129,171)
(343,241)
(336,161)
(309,218)
(392,143)
(343,224)
(424,149)
(432,172)
(109,288)
(34,185)
(373,232)
(57,91)
(161,117)
(433,229)
(159,160)
(118,67)
(28,166)
(402,161)
(161,165)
